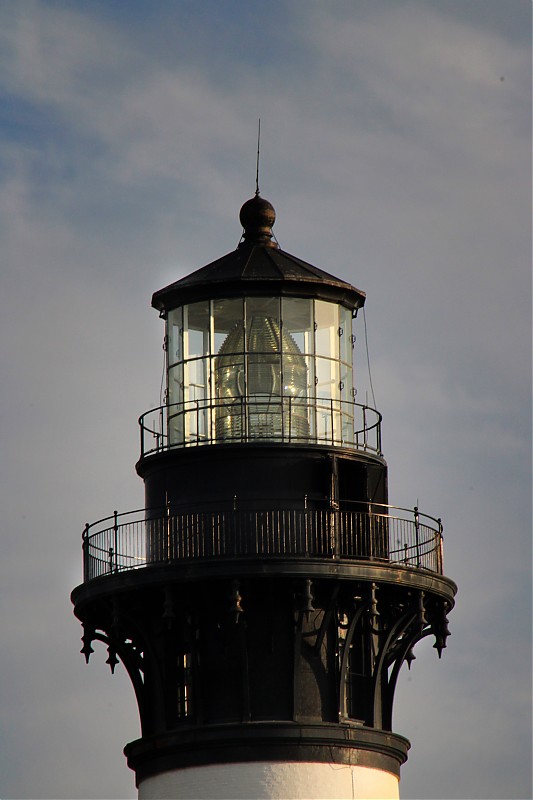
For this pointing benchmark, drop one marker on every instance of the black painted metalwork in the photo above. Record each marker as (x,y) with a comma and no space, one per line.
(265,599)
(149,536)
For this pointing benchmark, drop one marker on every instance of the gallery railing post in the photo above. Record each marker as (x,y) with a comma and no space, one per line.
(115,538)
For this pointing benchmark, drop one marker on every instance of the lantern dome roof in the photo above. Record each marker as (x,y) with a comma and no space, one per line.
(257,267)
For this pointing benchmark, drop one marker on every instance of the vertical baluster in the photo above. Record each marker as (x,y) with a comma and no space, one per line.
(345,533)
(197,420)
(417,535)
(85,553)
(167,532)
(440,563)
(306,524)
(115,541)
(295,518)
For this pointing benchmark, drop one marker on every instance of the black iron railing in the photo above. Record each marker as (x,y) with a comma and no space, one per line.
(147,537)
(334,423)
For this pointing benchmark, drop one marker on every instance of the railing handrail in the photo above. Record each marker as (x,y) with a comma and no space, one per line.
(161,535)
(366,434)
(235,499)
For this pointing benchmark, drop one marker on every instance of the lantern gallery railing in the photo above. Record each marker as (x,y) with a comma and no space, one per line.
(317,420)
(147,537)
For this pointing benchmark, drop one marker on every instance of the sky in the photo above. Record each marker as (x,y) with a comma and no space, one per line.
(396,151)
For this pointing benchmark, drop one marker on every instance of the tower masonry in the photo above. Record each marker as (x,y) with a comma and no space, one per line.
(265,599)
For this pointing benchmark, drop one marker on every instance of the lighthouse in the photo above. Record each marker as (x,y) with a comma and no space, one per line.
(265,599)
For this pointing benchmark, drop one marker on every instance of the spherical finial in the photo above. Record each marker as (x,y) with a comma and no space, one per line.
(257,217)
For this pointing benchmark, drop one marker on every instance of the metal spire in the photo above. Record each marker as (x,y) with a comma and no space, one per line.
(257,162)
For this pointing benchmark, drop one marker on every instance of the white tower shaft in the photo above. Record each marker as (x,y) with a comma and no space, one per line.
(274,780)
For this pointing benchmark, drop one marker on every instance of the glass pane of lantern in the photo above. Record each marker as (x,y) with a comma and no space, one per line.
(229,372)
(263,368)
(347,412)
(228,368)
(327,374)
(196,382)
(175,376)
(263,375)
(228,315)
(346,375)
(264,396)
(345,332)
(176,429)
(327,329)
(196,398)
(297,316)
(196,329)
(298,378)
(175,384)
(262,324)
(229,365)
(175,335)
(327,400)
(347,405)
